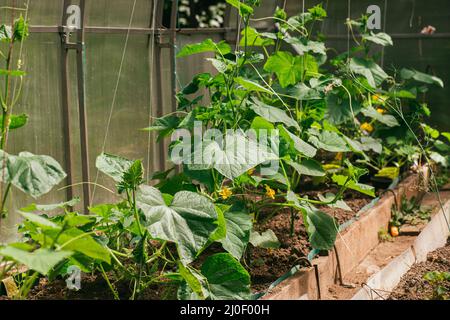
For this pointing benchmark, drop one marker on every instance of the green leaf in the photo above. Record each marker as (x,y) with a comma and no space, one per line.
(380,38)
(328,140)
(132,178)
(13,73)
(404,94)
(433,133)
(221,232)
(318,12)
(202,176)
(446,135)
(339,110)
(267,239)
(253,38)
(389,172)
(113,166)
(42,260)
(273,114)
(227,278)
(33,174)
(308,167)
(351,184)
(196,288)
(243,9)
(40,221)
(165,126)
(299,145)
(76,240)
(239,153)
(50,207)
(289,69)
(73,219)
(322,229)
(369,143)
(259,123)
(442,147)
(252,86)
(386,119)
(5,33)
(188,221)
(20,29)
(302,92)
(220,66)
(16,121)
(374,74)
(238,227)
(301,46)
(408,74)
(439,159)
(205,46)
(339,204)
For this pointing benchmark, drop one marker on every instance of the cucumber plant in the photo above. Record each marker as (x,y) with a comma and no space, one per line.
(34,175)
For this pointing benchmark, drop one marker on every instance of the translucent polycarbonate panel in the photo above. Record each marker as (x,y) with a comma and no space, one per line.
(266,10)
(117,13)
(43,134)
(45,13)
(337,13)
(189,66)
(404,20)
(422,55)
(164,106)
(125,109)
(410,16)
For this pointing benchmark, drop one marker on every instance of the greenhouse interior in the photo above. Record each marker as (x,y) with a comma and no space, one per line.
(224,150)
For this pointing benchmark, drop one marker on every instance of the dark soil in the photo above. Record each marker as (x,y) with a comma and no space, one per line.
(412,285)
(267,265)
(94,287)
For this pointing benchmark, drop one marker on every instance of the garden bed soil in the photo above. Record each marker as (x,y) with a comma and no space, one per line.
(267,265)
(93,287)
(412,286)
(378,258)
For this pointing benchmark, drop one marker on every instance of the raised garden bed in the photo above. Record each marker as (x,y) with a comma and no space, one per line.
(313,282)
(269,265)
(415,286)
(275,157)
(432,236)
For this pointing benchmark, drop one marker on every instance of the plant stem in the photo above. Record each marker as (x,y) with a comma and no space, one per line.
(292,224)
(5,197)
(26,287)
(136,213)
(105,276)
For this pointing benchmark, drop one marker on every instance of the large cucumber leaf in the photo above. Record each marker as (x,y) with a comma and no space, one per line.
(33,174)
(188,221)
(42,260)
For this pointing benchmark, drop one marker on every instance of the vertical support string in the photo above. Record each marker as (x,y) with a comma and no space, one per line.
(113,103)
(349,12)
(384,30)
(151,62)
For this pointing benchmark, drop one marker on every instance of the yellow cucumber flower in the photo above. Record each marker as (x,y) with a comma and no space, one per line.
(367,127)
(225,193)
(270,192)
